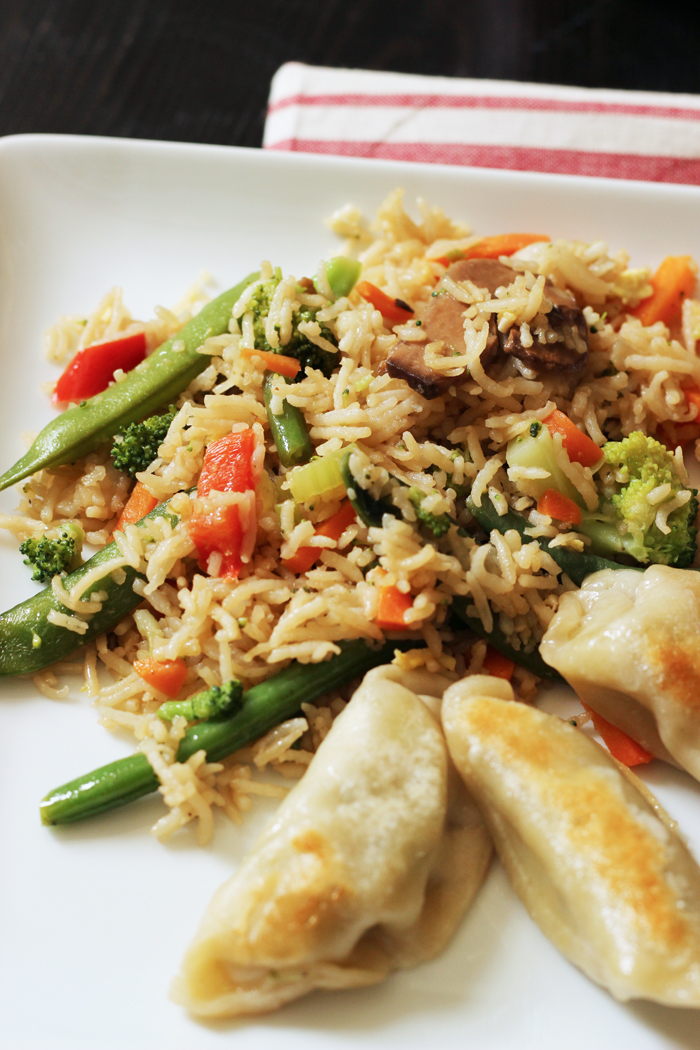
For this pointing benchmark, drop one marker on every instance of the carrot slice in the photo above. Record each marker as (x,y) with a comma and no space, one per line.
(333,528)
(560,507)
(673,282)
(579,447)
(394,310)
(167,676)
(493,247)
(139,504)
(280,363)
(496,664)
(392,607)
(619,744)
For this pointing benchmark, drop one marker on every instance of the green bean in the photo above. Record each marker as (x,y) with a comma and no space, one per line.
(530,661)
(264,706)
(342,274)
(368,509)
(29,641)
(155,382)
(577,565)
(289,431)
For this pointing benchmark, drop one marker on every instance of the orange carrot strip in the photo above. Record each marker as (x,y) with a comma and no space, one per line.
(139,504)
(284,366)
(579,447)
(619,744)
(394,310)
(497,664)
(392,607)
(167,676)
(333,528)
(673,282)
(493,247)
(560,507)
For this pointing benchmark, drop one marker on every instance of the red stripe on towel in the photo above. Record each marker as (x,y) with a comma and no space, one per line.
(516,158)
(435,101)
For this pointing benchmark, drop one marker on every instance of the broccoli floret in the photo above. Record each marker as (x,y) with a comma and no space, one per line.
(438,524)
(136,446)
(221,701)
(56,552)
(633,468)
(299,346)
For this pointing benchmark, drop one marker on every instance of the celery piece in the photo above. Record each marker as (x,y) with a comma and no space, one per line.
(319,479)
(538,451)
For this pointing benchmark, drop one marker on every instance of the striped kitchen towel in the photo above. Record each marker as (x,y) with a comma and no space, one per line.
(485,123)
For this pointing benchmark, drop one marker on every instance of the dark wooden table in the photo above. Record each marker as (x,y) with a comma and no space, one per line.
(199,70)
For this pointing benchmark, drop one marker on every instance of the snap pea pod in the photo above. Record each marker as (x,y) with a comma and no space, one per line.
(288,430)
(530,661)
(577,565)
(264,706)
(155,382)
(29,641)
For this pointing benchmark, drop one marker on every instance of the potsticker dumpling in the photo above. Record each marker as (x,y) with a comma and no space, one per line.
(629,644)
(593,858)
(365,869)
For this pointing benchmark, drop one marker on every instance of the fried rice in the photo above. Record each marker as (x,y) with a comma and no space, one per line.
(251,627)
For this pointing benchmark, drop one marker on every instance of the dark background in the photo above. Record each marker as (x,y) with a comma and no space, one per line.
(200,71)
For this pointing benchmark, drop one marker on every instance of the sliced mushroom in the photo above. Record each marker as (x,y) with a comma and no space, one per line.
(442,319)
(567,351)
(562,351)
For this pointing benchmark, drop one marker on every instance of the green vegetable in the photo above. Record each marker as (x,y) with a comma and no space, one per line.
(136,446)
(342,274)
(371,510)
(288,430)
(30,642)
(537,450)
(264,706)
(221,701)
(298,345)
(532,662)
(56,552)
(577,565)
(368,509)
(155,382)
(318,478)
(438,524)
(635,466)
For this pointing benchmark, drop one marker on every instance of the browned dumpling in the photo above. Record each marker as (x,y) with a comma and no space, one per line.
(593,858)
(368,867)
(629,644)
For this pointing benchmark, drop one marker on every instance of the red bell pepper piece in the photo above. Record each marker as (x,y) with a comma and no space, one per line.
(227,467)
(92,369)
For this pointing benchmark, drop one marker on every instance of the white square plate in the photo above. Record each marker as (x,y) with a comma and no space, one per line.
(94,919)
